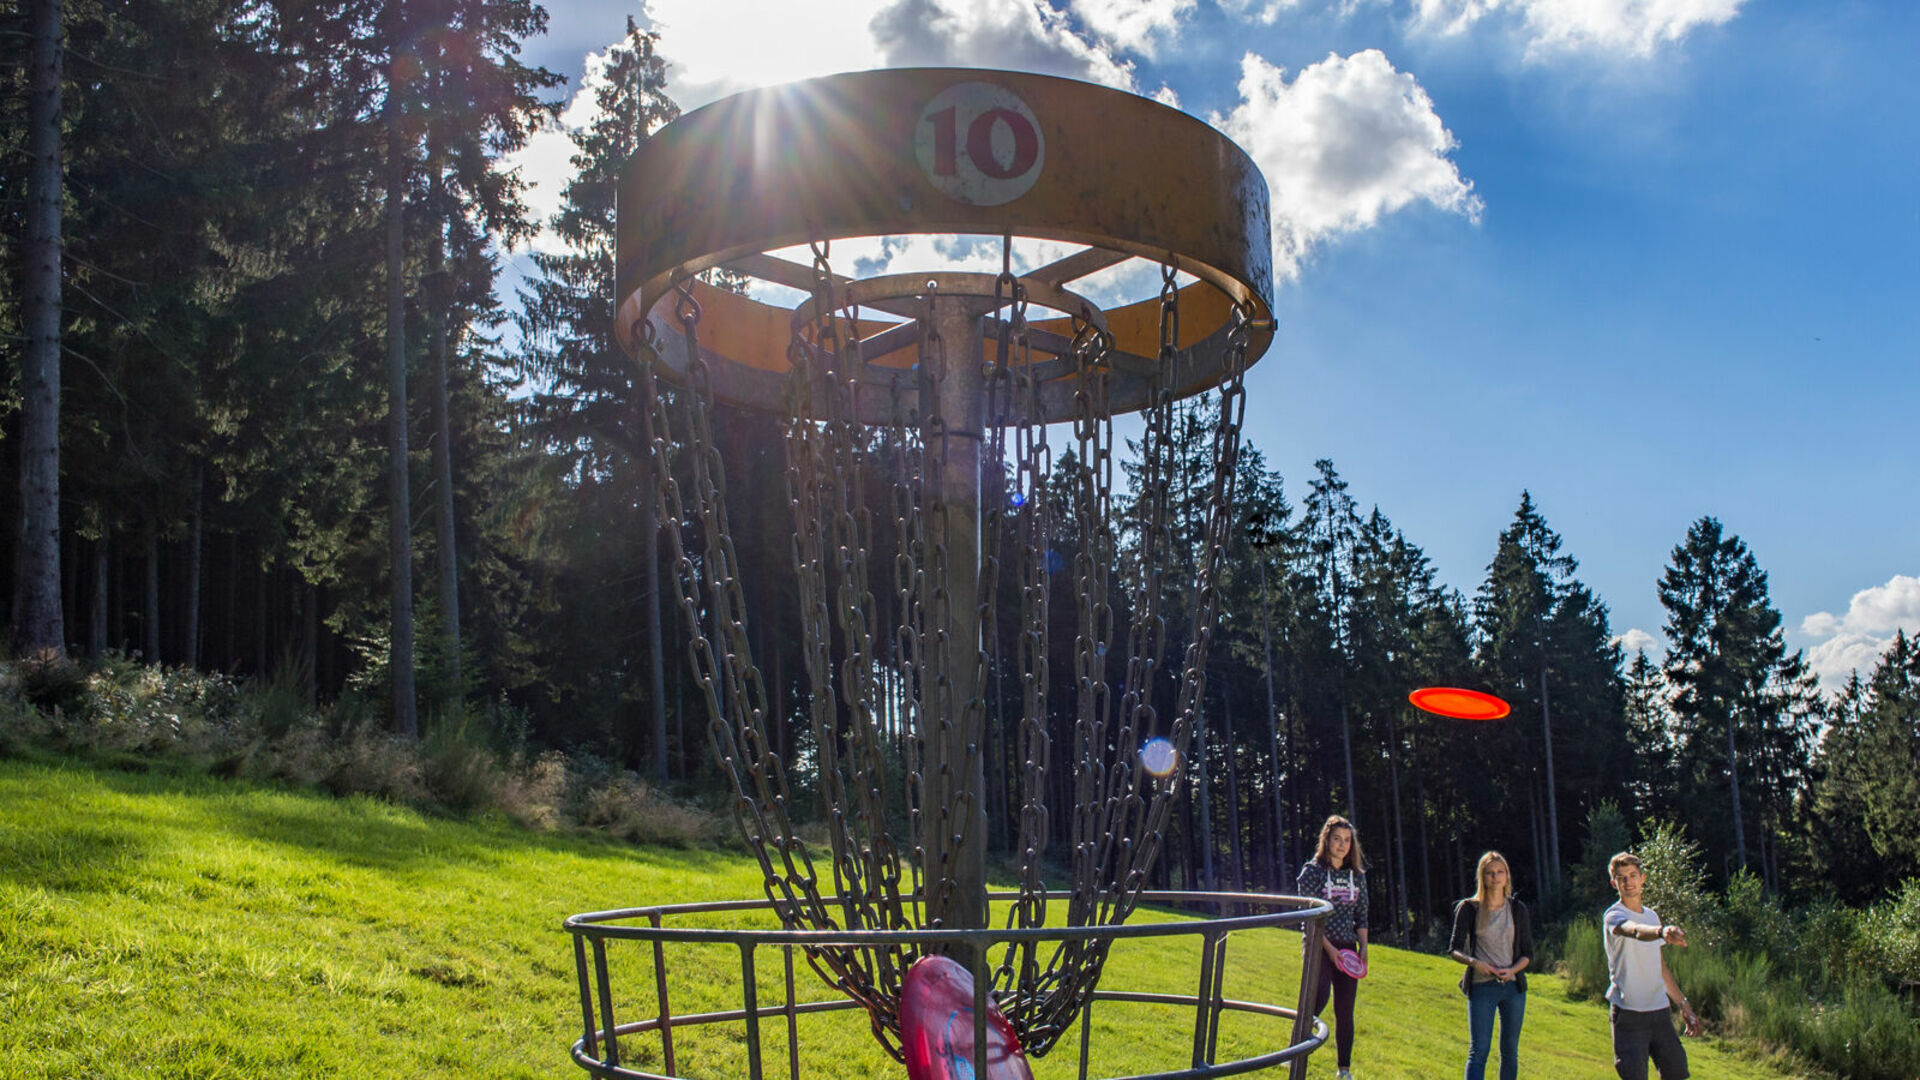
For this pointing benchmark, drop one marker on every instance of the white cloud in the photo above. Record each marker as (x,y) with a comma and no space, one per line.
(1133,25)
(1637,640)
(1022,35)
(1264,12)
(875,256)
(546,161)
(1348,141)
(708,57)
(1855,640)
(718,48)
(1636,28)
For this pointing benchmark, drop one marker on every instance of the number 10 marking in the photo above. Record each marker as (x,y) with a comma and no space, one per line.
(980,144)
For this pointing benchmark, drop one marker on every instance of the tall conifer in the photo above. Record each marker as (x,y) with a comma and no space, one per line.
(584,407)
(1733,685)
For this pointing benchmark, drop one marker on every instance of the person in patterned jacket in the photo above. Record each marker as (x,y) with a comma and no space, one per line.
(1337,874)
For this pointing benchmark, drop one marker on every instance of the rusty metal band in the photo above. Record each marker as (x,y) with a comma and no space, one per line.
(1018,155)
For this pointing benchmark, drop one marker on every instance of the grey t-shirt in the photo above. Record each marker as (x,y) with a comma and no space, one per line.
(1493,939)
(1633,967)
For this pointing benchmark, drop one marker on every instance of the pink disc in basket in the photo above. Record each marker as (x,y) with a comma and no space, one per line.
(936,1028)
(1351,963)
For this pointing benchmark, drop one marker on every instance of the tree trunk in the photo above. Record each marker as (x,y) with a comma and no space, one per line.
(680,718)
(1399,834)
(1733,784)
(150,610)
(260,618)
(1426,853)
(324,680)
(102,586)
(310,642)
(1204,796)
(38,625)
(1346,752)
(1237,868)
(440,300)
(70,573)
(1533,821)
(190,652)
(230,624)
(399,499)
(1280,765)
(1552,876)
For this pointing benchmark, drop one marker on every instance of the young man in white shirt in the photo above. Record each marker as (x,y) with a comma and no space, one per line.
(1640,988)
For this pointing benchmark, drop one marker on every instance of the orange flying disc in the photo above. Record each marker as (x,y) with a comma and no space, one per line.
(1460,704)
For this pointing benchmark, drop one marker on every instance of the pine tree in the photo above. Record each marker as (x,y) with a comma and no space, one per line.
(1733,687)
(1544,639)
(1650,736)
(480,103)
(1864,828)
(583,408)
(1332,528)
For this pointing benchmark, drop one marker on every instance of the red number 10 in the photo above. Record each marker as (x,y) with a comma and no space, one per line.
(1026,143)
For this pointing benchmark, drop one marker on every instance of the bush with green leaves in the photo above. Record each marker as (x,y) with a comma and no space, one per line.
(1889,937)
(1607,834)
(131,715)
(1750,919)
(1677,885)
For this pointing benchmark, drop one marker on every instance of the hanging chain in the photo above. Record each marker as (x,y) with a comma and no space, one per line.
(881,709)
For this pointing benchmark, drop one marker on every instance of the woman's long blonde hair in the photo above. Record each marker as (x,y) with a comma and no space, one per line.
(1480,878)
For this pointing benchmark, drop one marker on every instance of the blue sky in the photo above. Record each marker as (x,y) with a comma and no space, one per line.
(1648,259)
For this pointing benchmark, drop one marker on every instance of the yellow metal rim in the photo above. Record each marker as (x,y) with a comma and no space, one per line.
(933,151)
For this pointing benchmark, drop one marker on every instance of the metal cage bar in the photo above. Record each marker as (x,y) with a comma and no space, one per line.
(598,1050)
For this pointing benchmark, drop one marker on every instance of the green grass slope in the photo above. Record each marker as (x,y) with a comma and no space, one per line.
(156,925)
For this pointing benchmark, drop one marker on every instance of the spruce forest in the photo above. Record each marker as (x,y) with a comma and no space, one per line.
(271,407)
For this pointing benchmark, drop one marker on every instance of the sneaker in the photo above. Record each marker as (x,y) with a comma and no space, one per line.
(1343,1074)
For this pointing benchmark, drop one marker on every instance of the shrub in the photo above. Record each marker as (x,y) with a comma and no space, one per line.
(460,770)
(1869,1035)
(52,684)
(533,793)
(1677,880)
(1888,937)
(1749,920)
(285,700)
(628,808)
(1865,1033)
(1606,834)
(124,714)
(1826,945)
(1583,959)
(370,762)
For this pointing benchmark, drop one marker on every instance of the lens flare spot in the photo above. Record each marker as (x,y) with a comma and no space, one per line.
(1158,757)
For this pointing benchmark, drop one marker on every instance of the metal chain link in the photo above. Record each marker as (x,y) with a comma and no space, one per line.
(870,707)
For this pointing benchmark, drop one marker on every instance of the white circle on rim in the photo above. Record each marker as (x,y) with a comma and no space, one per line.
(979,144)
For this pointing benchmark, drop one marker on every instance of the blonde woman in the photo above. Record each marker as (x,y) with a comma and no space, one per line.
(1337,874)
(1493,936)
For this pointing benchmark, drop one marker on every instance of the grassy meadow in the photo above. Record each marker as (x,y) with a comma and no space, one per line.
(167,924)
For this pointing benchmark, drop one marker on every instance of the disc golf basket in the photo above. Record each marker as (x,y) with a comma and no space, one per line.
(919,415)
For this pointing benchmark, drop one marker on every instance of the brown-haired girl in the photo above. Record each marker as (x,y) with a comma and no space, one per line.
(1337,874)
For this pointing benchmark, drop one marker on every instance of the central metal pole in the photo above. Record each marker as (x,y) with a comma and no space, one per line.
(954,747)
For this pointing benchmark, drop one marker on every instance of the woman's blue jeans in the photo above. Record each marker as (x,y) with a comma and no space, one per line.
(1483,1001)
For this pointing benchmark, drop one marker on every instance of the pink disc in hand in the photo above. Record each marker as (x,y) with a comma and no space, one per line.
(1351,963)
